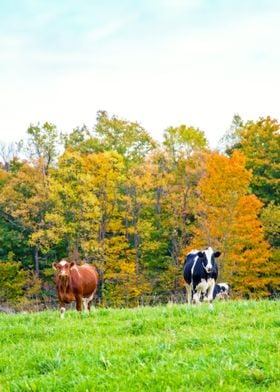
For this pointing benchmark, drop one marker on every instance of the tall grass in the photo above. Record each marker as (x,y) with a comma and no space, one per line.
(235,347)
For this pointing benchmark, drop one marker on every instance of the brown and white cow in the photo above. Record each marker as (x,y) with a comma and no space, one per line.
(75,283)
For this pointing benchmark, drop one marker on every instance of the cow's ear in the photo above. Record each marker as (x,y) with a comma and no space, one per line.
(72,264)
(217,254)
(200,254)
(54,265)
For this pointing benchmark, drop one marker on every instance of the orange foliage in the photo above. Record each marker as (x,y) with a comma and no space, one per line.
(228,220)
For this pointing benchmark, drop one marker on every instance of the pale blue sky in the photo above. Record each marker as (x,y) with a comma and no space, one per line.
(159,62)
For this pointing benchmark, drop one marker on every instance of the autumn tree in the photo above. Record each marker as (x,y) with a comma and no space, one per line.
(127,138)
(182,141)
(133,207)
(260,143)
(227,219)
(71,202)
(24,201)
(87,215)
(9,152)
(13,235)
(175,173)
(109,246)
(18,287)
(270,217)
(12,281)
(77,139)
(43,144)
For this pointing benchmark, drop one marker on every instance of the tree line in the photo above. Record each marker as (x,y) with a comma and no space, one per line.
(134,207)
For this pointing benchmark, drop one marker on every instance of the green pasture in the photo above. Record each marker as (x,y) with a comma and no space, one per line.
(234,347)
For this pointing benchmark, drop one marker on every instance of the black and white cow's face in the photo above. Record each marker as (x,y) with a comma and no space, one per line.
(208,259)
(224,291)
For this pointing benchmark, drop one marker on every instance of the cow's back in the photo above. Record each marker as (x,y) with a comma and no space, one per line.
(188,265)
(84,279)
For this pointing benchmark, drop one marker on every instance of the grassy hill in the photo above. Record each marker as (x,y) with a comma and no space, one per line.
(235,347)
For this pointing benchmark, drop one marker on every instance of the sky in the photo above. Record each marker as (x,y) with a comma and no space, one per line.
(161,63)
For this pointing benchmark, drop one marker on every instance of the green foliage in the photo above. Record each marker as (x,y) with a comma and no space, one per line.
(12,239)
(260,143)
(43,143)
(12,281)
(235,347)
(24,202)
(183,140)
(128,139)
(77,138)
(271,221)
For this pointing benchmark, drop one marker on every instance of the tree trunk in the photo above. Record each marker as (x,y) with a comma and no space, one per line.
(101,241)
(137,251)
(158,203)
(36,259)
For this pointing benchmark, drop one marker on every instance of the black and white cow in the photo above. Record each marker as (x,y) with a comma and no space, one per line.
(221,291)
(200,274)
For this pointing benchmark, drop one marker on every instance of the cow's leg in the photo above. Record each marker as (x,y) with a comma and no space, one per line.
(90,300)
(211,286)
(61,307)
(201,287)
(196,296)
(78,303)
(62,310)
(85,305)
(89,304)
(189,293)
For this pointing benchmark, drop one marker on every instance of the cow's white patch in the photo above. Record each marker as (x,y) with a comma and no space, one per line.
(200,288)
(209,252)
(224,285)
(85,305)
(86,301)
(91,297)
(189,293)
(194,264)
(210,289)
(63,262)
(62,312)
(206,287)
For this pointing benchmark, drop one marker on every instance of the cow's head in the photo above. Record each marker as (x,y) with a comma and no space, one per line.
(208,259)
(63,268)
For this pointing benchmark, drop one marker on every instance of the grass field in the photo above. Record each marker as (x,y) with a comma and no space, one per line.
(234,347)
